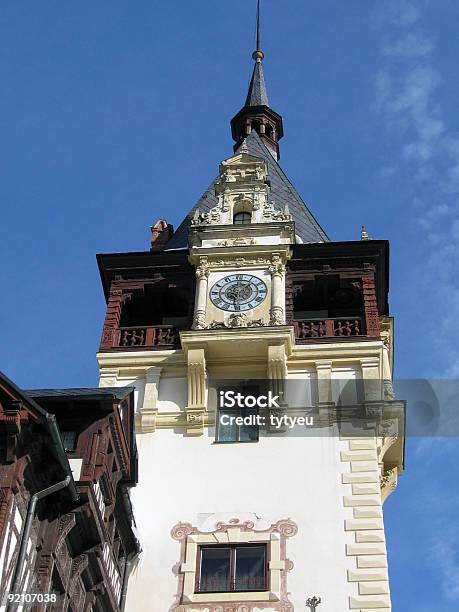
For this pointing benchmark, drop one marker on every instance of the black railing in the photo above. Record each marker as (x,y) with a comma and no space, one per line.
(224,585)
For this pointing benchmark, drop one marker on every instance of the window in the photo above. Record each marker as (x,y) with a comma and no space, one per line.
(242,218)
(234,423)
(69,440)
(232,568)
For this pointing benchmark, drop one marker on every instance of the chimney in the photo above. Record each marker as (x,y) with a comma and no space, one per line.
(161,233)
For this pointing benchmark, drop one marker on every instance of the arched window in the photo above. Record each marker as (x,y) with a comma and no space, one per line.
(242,218)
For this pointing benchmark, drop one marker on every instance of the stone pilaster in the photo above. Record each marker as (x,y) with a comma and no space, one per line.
(197,392)
(371,376)
(146,415)
(277,373)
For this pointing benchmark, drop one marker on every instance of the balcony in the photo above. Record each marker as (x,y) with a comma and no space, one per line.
(154,337)
(336,328)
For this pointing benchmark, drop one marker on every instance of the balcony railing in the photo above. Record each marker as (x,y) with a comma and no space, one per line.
(219,584)
(153,337)
(308,329)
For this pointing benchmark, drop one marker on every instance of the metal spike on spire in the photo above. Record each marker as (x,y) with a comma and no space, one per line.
(257,94)
(258,54)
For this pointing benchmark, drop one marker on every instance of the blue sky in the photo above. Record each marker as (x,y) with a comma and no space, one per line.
(116,113)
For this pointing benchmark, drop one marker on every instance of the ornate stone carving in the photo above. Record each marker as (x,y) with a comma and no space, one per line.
(388,482)
(236,242)
(202,271)
(276,315)
(199,321)
(237,320)
(277,268)
(242,186)
(388,390)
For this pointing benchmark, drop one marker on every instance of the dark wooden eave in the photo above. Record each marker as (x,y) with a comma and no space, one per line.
(348,255)
(142,263)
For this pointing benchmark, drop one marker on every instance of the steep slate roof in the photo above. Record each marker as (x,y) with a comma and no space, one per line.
(257,95)
(282,192)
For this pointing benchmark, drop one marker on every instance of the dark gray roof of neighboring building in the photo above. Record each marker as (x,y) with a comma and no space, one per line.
(257,94)
(49,421)
(83,393)
(282,193)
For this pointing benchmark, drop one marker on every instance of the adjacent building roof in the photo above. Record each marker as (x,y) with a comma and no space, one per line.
(282,192)
(83,393)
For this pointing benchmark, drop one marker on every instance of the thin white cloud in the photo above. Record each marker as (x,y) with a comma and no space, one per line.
(408,89)
(401,13)
(411,45)
(444,557)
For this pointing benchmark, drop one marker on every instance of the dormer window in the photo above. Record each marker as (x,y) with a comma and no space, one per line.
(242,218)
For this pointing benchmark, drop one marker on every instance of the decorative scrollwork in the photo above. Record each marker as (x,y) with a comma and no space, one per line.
(181,531)
(287,528)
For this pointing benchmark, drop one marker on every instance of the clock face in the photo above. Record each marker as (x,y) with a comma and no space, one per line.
(238,292)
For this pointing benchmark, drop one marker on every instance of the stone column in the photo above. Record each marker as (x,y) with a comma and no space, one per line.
(277,271)
(202,277)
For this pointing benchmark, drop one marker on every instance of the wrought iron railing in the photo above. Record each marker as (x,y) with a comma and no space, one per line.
(224,585)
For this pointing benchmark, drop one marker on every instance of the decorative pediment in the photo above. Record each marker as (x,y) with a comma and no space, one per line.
(243,186)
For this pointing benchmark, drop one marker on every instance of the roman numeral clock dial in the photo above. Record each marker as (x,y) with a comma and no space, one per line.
(238,292)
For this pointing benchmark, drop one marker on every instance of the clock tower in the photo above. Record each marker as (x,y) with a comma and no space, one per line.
(253,506)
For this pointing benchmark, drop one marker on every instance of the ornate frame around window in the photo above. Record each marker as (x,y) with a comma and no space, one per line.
(234,532)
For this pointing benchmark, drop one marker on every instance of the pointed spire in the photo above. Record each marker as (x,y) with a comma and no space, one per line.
(256,113)
(257,95)
(364,234)
(258,54)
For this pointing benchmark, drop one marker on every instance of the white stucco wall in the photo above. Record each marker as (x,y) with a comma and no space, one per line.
(187,479)
(329,487)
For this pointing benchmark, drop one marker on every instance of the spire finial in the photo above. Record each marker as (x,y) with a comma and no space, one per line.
(258,54)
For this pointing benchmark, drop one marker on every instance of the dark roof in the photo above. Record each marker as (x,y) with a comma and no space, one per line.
(82,393)
(49,421)
(282,193)
(257,94)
